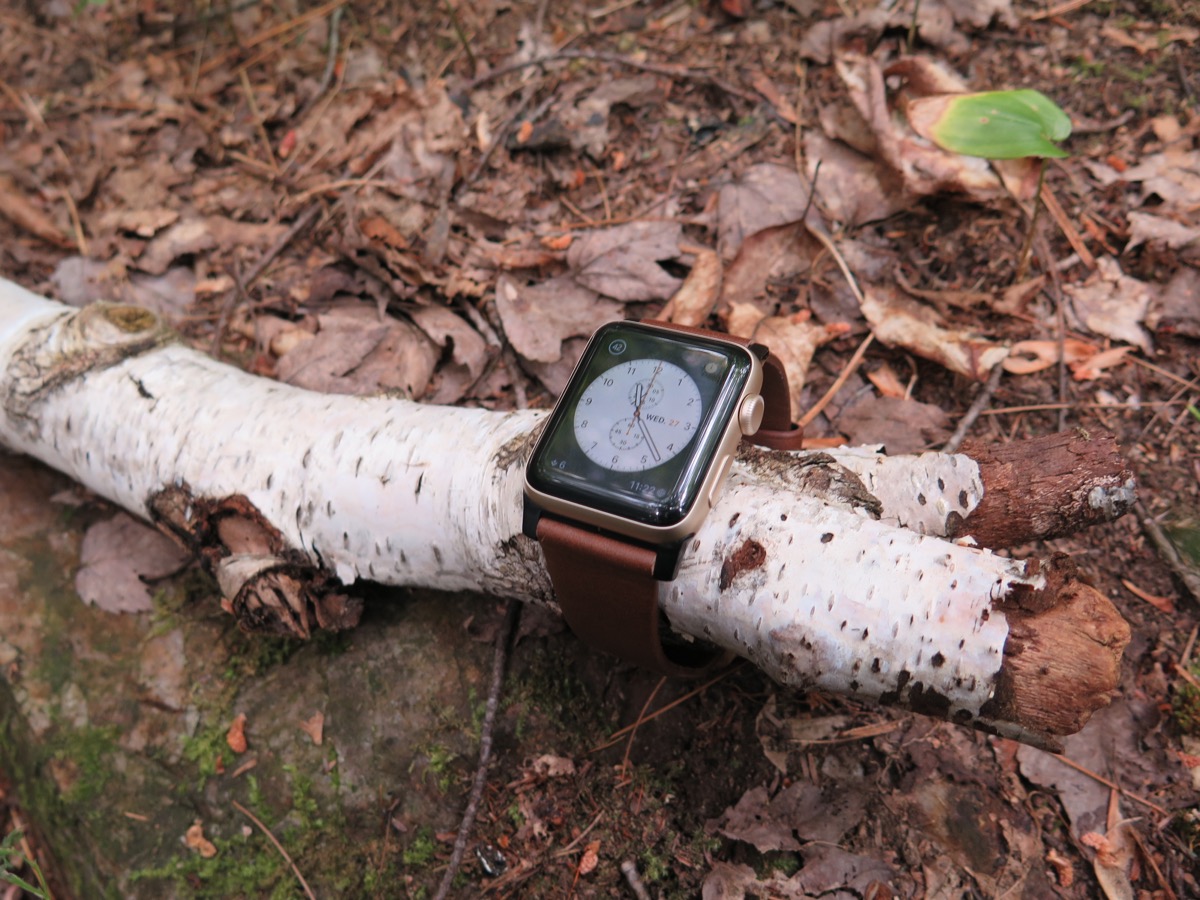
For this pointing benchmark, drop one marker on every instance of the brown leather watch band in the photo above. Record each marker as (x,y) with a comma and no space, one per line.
(609,596)
(606,586)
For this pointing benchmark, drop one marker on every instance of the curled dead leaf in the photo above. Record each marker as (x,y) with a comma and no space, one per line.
(195,839)
(314,727)
(1027,357)
(1092,366)
(590,858)
(236,736)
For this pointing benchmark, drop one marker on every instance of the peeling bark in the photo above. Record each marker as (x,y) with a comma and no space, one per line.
(1047,487)
(826,570)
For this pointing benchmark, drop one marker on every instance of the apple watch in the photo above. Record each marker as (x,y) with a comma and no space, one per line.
(630,462)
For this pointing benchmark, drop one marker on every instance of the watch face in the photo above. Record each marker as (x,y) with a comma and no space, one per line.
(637,415)
(638,427)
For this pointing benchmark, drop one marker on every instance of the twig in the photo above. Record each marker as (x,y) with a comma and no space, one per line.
(1110,784)
(511,614)
(330,64)
(278,846)
(668,71)
(633,731)
(855,360)
(248,89)
(1070,232)
(1054,11)
(257,269)
(462,36)
(1167,550)
(982,399)
(274,31)
(616,736)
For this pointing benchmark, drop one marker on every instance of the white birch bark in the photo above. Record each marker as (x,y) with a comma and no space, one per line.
(811,588)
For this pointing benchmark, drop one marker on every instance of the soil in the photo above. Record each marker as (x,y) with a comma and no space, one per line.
(120,119)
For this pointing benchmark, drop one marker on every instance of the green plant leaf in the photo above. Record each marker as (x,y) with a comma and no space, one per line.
(992,124)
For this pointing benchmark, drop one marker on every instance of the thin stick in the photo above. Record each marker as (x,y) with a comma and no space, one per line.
(511,614)
(257,269)
(641,716)
(982,399)
(1110,784)
(330,64)
(1054,11)
(462,36)
(846,372)
(670,71)
(278,846)
(616,736)
(274,31)
(248,89)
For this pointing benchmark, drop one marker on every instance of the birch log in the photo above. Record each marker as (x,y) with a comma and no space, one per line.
(827,571)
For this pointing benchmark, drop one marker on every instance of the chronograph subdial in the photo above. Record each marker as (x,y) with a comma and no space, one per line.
(626,434)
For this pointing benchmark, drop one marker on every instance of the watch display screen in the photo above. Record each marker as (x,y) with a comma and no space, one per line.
(637,427)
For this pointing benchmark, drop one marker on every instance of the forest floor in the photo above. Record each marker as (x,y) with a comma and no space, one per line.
(443,200)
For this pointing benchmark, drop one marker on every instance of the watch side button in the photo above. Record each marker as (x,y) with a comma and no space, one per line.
(750,414)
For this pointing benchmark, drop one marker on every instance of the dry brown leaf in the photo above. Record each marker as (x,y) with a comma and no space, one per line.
(1175,310)
(235,737)
(1160,231)
(354,352)
(794,339)
(468,352)
(195,840)
(694,301)
(142,222)
(116,557)
(853,187)
(624,262)
(537,318)
(901,426)
(1173,175)
(378,228)
(586,122)
(1112,304)
(1150,37)
(766,195)
(196,235)
(80,281)
(886,381)
(922,168)
(1093,366)
(771,255)
(314,727)
(901,322)
(764,85)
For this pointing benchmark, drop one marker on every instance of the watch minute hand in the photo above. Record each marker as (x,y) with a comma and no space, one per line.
(649,440)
